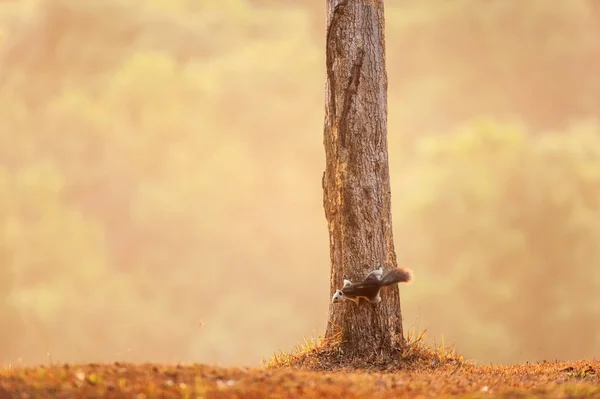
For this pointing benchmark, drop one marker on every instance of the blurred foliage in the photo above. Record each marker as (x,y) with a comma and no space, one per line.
(160,167)
(508,221)
(8,313)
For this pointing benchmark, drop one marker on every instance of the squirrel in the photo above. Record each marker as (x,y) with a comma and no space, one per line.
(370,287)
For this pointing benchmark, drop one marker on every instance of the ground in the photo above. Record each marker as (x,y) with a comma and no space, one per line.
(450,379)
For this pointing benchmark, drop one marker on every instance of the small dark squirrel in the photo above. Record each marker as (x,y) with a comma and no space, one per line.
(370,287)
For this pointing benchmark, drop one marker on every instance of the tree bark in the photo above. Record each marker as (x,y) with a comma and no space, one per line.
(356,181)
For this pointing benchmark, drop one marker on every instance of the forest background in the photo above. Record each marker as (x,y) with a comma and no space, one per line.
(161,163)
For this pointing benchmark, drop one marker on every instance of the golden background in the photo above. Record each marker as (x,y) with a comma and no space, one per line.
(161,163)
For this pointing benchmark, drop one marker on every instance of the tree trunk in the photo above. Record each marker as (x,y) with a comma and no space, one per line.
(356,181)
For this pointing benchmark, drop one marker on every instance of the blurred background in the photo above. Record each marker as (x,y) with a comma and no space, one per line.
(161,163)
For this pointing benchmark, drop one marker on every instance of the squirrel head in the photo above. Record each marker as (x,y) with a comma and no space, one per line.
(338,296)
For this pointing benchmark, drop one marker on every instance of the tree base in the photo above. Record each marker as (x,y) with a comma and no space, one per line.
(329,355)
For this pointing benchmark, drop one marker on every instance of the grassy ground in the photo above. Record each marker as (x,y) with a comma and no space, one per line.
(550,380)
(315,370)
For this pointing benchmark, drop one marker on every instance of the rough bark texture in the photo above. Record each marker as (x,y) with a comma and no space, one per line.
(356,180)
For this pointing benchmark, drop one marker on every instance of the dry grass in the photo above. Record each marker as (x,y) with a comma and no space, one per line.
(550,380)
(324,355)
(419,371)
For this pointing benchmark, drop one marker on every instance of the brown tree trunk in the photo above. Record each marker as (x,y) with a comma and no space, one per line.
(356,181)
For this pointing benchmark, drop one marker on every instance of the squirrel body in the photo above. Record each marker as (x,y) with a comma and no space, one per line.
(370,288)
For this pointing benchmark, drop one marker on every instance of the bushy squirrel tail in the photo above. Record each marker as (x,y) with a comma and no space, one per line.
(397,275)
